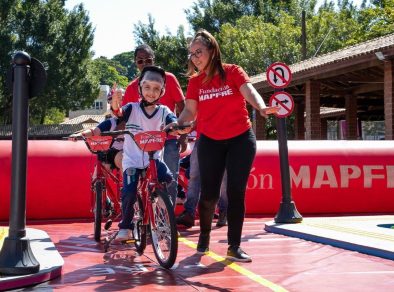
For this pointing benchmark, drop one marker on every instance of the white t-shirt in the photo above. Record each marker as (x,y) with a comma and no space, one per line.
(137,120)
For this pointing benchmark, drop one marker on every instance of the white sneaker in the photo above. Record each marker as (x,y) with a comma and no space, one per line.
(124,234)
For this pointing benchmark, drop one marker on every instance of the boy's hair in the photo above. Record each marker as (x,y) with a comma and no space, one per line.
(160,74)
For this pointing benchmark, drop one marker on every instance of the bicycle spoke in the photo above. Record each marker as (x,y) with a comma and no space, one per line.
(164,235)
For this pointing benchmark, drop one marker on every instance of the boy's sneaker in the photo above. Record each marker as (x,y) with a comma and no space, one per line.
(236,254)
(222,220)
(124,234)
(185,219)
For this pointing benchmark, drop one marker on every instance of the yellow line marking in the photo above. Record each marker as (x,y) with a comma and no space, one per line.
(351,230)
(237,268)
(3,234)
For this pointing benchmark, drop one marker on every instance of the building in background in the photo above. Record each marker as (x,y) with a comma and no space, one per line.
(100,105)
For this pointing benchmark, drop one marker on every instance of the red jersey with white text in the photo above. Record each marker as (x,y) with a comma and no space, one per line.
(172,95)
(222,112)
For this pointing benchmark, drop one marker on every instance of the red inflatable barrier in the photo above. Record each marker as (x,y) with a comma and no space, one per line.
(326,177)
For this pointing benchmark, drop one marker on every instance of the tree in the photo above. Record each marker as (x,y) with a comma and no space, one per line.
(170,51)
(59,38)
(211,15)
(110,72)
(254,44)
(126,59)
(376,20)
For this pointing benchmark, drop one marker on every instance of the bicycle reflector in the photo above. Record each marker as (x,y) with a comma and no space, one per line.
(150,140)
(99,143)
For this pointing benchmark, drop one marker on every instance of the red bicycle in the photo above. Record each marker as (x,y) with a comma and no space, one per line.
(153,210)
(106,184)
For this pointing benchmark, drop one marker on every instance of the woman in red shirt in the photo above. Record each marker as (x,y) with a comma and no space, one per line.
(216,96)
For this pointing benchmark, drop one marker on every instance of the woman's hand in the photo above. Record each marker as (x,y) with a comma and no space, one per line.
(269,111)
(176,129)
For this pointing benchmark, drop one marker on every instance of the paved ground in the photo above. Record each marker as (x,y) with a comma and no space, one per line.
(280,263)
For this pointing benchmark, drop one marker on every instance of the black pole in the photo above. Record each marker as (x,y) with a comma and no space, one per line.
(303,35)
(287,211)
(16,256)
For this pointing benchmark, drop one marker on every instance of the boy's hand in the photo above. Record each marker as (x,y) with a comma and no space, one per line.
(74,137)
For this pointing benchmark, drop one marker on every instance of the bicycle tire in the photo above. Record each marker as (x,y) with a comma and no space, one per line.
(98,209)
(165,236)
(139,229)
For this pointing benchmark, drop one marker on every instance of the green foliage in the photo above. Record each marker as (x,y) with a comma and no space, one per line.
(59,38)
(170,50)
(54,116)
(212,15)
(110,72)
(376,20)
(126,59)
(254,44)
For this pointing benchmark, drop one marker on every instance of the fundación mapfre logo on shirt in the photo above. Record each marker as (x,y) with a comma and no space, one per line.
(206,94)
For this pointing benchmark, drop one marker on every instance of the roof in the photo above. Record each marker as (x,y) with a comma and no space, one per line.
(46,131)
(339,56)
(331,112)
(85,119)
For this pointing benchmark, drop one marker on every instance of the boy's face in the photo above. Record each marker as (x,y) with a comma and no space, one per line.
(151,89)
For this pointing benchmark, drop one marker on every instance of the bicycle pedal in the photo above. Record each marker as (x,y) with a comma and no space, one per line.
(128,241)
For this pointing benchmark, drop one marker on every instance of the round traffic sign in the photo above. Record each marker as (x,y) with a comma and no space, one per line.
(278,75)
(284,101)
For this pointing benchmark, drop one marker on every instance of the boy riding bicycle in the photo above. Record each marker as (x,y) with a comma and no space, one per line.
(146,115)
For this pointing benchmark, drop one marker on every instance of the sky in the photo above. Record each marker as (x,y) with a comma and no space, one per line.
(114,20)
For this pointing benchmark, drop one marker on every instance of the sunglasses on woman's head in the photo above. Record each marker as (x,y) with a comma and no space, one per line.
(147,61)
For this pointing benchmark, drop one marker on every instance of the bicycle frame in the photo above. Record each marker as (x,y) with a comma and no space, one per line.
(105,185)
(108,176)
(148,183)
(153,209)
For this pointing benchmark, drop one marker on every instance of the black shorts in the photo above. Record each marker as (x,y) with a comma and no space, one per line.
(109,157)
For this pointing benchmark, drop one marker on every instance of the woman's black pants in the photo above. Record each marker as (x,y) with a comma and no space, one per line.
(236,155)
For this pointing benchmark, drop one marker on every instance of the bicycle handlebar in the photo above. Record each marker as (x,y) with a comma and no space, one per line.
(127,132)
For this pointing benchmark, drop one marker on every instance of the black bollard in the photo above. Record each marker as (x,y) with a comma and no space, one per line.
(287,212)
(16,256)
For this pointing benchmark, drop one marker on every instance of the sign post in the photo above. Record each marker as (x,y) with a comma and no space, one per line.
(279,76)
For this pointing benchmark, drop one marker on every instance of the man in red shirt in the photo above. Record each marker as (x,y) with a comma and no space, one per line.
(173,98)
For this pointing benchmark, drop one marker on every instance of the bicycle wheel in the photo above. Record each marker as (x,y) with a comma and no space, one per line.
(164,235)
(98,209)
(139,229)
